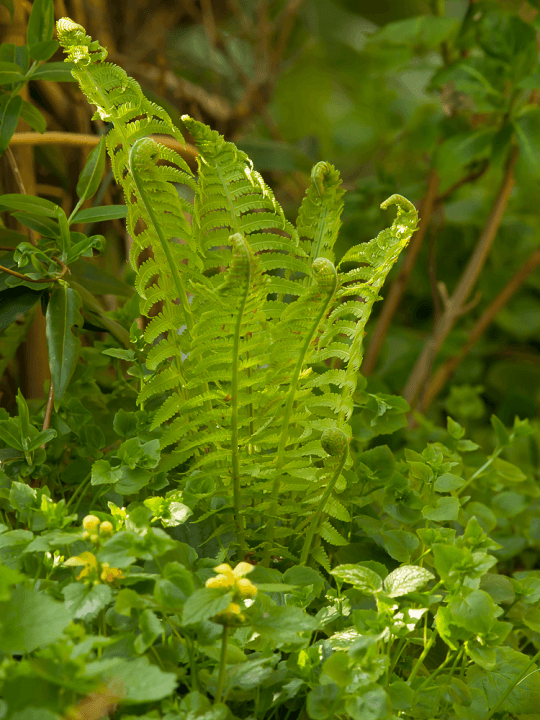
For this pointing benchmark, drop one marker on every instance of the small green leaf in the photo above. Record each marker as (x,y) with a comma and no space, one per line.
(92,172)
(40,223)
(446,508)
(33,117)
(40,22)
(15,302)
(44,50)
(204,604)
(362,578)
(10,72)
(54,71)
(29,203)
(9,117)
(320,701)
(406,579)
(10,434)
(98,214)
(63,345)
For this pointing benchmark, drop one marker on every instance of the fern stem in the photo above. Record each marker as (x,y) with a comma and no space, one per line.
(180,289)
(284,436)
(237,490)
(315,521)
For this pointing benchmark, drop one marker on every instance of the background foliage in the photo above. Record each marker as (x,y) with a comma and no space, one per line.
(432,602)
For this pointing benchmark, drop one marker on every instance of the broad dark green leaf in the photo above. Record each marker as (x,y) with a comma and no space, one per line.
(33,117)
(43,225)
(29,203)
(98,281)
(17,54)
(85,603)
(141,682)
(63,345)
(10,72)
(524,698)
(55,71)
(97,214)
(92,172)
(15,302)
(40,22)
(44,50)
(31,619)
(9,118)
(204,604)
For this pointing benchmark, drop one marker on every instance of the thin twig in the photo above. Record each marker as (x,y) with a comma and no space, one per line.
(446,370)
(48,409)
(457,301)
(65,269)
(188,152)
(18,179)
(396,291)
(471,177)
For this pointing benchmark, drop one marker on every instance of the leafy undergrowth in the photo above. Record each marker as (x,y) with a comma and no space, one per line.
(124,600)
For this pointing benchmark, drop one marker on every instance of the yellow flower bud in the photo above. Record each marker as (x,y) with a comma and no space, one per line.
(94,538)
(246,587)
(106,528)
(90,522)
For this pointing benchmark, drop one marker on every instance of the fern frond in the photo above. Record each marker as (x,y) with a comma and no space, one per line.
(319,216)
(156,213)
(233,198)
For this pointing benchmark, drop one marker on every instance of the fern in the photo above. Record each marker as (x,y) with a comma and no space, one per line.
(254,353)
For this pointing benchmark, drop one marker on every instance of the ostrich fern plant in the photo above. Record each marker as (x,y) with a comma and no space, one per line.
(254,354)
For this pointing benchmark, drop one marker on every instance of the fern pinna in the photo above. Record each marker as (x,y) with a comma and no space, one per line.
(254,354)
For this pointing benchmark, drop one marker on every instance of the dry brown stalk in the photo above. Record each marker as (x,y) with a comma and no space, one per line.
(398,287)
(187,151)
(455,305)
(446,370)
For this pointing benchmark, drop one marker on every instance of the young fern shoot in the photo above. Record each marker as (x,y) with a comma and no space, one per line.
(253,356)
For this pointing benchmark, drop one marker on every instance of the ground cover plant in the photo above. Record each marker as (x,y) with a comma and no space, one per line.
(210,530)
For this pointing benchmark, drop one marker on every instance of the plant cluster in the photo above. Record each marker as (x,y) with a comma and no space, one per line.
(209,530)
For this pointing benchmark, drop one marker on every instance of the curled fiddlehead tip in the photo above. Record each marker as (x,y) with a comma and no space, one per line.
(322,174)
(334,442)
(404,205)
(79,46)
(66,26)
(324,272)
(144,153)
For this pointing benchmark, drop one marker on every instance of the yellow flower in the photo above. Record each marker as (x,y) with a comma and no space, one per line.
(106,528)
(109,574)
(240,587)
(90,522)
(87,560)
(247,588)
(225,579)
